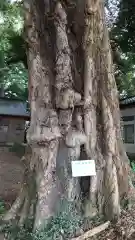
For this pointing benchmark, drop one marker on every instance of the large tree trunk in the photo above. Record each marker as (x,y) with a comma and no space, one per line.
(73,98)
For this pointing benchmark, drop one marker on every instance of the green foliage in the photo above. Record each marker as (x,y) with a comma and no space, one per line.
(13,72)
(125,26)
(124,69)
(64,223)
(17,51)
(133,166)
(16,81)
(123,37)
(15,232)
(2,207)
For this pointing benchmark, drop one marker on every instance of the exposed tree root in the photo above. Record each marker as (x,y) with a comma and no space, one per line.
(25,211)
(20,209)
(93,232)
(14,210)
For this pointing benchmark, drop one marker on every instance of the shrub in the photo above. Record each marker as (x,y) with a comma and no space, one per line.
(65,223)
(2,207)
(18,149)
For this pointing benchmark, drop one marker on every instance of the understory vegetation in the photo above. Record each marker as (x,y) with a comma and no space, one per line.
(66,224)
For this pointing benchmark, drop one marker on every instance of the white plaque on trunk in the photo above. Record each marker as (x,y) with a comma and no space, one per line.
(83,168)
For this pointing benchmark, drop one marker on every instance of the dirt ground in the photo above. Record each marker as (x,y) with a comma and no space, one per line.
(124,229)
(11,172)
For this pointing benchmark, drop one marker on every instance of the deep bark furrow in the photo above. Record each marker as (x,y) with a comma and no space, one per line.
(66,99)
(63,53)
(90,90)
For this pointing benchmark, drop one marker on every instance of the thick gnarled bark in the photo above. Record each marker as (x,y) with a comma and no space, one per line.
(73,98)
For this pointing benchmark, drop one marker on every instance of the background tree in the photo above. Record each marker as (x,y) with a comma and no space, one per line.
(13,63)
(123,45)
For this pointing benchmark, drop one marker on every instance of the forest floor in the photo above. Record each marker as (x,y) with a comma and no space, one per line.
(124,229)
(11,173)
